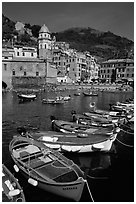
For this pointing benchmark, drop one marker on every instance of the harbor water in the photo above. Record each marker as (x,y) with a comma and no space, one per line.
(110,175)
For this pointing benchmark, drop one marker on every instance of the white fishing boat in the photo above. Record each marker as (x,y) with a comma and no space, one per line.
(46,168)
(27,96)
(77,143)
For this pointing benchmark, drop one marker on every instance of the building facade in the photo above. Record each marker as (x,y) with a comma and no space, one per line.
(122,69)
(54,58)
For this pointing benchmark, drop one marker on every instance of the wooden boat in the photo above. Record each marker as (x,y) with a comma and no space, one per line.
(100,118)
(90,93)
(77,143)
(77,94)
(121,108)
(11,189)
(46,168)
(86,120)
(127,105)
(52,101)
(27,96)
(66,98)
(71,127)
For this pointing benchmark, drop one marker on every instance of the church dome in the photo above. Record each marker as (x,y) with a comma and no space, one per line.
(44,29)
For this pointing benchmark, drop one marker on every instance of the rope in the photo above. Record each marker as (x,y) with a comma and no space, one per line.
(92,177)
(125,126)
(124,143)
(89,190)
(131,133)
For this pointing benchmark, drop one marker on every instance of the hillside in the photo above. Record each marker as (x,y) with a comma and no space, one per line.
(102,44)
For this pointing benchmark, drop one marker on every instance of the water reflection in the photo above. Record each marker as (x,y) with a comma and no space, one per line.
(35,115)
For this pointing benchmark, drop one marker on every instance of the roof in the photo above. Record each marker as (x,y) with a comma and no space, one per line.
(44,29)
(118,60)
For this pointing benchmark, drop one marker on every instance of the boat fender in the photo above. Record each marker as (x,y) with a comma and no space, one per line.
(32,182)
(16,168)
(117,129)
(14,192)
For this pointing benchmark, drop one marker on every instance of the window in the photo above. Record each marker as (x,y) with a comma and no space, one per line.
(5,67)
(13,72)
(132,75)
(37,73)
(45,46)
(127,75)
(32,54)
(5,57)
(23,54)
(17,53)
(41,46)
(24,73)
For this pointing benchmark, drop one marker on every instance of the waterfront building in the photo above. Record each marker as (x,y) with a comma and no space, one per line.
(122,69)
(21,64)
(22,67)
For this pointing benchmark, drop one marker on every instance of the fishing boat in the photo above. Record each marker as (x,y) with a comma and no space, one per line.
(105,113)
(86,120)
(101,118)
(121,108)
(77,143)
(72,127)
(11,189)
(77,94)
(66,98)
(52,101)
(46,168)
(27,96)
(90,93)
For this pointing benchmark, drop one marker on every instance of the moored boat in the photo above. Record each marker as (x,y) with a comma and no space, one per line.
(86,120)
(77,143)
(72,127)
(90,93)
(53,101)
(46,168)
(27,96)
(11,189)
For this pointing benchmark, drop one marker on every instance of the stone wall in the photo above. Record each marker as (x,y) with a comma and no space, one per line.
(28,82)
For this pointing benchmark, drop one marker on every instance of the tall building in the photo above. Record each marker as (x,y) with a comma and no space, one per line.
(44,42)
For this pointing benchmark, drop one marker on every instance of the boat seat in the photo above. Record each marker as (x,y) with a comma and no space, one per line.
(27,156)
(36,163)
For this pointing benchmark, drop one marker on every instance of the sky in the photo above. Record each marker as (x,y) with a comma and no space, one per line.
(117,17)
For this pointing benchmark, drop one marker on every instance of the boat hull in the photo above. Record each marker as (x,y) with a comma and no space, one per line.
(72,191)
(26,97)
(65,146)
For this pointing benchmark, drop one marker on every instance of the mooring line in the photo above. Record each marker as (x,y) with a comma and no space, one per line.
(124,143)
(89,190)
(130,133)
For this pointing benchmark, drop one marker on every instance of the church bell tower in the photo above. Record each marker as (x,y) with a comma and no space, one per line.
(44,41)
